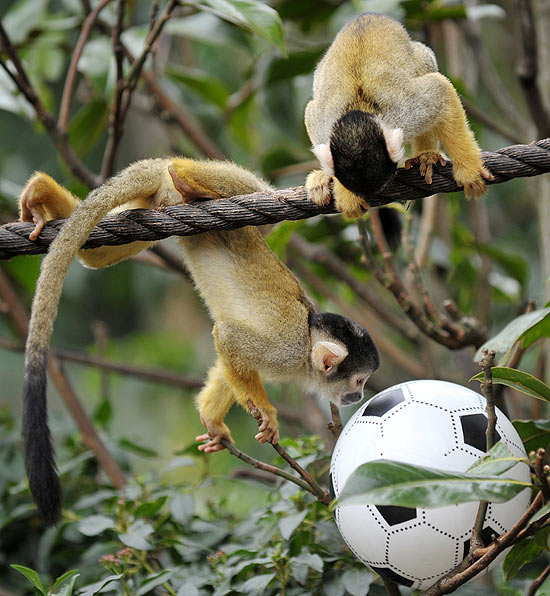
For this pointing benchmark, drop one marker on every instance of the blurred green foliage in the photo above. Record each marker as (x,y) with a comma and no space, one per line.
(239,73)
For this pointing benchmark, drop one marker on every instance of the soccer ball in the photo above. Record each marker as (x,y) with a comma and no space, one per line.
(433,424)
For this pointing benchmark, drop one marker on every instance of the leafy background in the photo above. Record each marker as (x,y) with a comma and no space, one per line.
(240,72)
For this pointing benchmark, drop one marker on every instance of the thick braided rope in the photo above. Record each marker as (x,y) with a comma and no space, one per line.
(516,161)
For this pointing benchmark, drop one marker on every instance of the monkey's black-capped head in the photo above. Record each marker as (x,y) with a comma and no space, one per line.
(362,153)
(343,356)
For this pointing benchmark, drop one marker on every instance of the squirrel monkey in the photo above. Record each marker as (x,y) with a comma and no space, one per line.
(264,326)
(373,90)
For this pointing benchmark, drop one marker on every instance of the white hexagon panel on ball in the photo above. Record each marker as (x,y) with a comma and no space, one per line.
(428,423)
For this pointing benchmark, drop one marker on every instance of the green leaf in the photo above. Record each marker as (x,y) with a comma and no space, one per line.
(513,332)
(73,573)
(519,555)
(288,524)
(513,265)
(95,524)
(131,446)
(67,590)
(103,413)
(182,508)
(385,482)
(32,576)
(88,126)
(96,587)
(495,462)
(249,14)
(519,380)
(149,509)
(137,534)
(22,17)
(534,434)
(279,238)
(154,580)
(357,581)
(209,87)
(257,584)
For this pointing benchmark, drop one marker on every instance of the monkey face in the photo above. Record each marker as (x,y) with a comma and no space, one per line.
(343,357)
(364,152)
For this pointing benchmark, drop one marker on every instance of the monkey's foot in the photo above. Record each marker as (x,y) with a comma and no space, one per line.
(347,202)
(474,187)
(426,161)
(268,426)
(319,187)
(211,441)
(32,208)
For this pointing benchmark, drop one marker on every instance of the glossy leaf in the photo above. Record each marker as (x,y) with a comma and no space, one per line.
(209,87)
(513,332)
(32,576)
(534,434)
(149,509)
(385,482)
(495,462)
(95,524)
(73,573)
(96,587)
(357,581)
(154,580)
(519,555)
(519,380)
(140,450)
(250,14)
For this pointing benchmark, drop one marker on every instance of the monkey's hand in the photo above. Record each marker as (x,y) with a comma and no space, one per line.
(319,187)
(268,425)
(472,180)
(426,161)
(211,441)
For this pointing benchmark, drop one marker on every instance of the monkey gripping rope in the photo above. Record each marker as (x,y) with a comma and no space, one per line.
(516,161)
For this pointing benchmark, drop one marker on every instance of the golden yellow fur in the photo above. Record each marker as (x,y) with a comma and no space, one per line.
(373,66)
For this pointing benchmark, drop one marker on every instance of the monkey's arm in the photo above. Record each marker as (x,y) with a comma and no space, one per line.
(429,108)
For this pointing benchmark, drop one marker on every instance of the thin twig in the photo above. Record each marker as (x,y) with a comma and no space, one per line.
(538,581)
(89,435)
(314,488)
(487,389)
(87,27)
(115,117)
(260,465)
(527,67)
(154,375)
(58,136)
(335,426)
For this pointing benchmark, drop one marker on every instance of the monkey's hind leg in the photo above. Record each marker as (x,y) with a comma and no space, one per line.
(213,403)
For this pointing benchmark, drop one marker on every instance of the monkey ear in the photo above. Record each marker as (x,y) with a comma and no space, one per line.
(394,141)
(324,155)
(326,355)
(188,192)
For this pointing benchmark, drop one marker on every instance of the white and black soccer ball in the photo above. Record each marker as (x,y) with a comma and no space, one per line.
(428,423)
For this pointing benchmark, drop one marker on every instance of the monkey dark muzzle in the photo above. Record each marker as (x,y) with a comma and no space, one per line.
(351,398)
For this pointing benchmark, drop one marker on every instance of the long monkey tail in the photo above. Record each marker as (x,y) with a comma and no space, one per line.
(140,179)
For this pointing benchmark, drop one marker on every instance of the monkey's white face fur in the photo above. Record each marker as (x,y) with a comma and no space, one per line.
(325,380)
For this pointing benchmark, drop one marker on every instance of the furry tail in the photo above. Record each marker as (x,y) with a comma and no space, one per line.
(39,454)
(136,181)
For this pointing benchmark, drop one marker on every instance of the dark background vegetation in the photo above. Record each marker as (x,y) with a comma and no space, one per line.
(220,84)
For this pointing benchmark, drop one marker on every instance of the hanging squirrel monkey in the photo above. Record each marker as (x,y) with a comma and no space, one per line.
(264,326)
(373,90)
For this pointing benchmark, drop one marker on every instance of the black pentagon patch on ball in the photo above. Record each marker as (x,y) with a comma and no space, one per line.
(396,515)
(392,576)
(473,429)
(486,537)
(331,491)
(383,403)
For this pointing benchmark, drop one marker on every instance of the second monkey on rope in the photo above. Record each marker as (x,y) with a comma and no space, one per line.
(264,326)
(374,89)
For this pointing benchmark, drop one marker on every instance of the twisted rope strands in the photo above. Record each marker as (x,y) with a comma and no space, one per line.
(516,161)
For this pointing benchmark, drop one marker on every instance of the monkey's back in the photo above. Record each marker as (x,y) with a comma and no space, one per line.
(249,290)
(370,54)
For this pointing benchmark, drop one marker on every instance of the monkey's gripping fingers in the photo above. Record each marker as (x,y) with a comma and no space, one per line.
(211,441)
(426,161)
(32,209)
(268,425)
(319,187)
